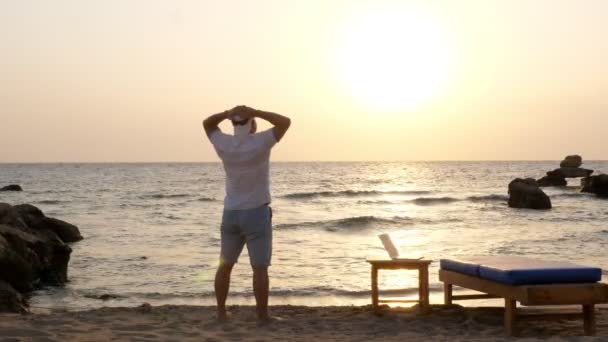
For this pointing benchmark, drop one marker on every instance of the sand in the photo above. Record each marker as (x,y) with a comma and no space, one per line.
(300,323)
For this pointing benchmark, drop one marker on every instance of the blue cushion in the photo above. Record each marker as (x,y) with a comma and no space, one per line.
(523,271)
(469,266)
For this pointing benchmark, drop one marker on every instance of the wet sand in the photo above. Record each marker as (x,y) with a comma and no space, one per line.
(299,323)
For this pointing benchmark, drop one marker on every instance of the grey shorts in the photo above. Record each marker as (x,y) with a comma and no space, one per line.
(251,226)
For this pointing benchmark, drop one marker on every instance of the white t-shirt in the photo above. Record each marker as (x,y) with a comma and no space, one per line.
(246,162)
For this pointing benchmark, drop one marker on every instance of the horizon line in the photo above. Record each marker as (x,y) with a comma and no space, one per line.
(293,161)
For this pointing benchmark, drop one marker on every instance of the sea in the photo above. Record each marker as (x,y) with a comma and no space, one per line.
(151,231)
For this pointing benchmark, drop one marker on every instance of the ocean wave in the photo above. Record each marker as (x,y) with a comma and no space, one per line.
(51,202)
(162,196)
(440,200)
(39,192)
(315,291)
(104,297)
(377,202)
(349,223)
(206,199)
(351,193)
(433,200)
(488,198)
(572,194)
(134,205)
(163,215)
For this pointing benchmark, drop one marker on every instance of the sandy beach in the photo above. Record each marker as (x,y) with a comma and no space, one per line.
(299,323)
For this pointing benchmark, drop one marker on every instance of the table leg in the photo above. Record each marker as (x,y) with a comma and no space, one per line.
(374,288)
(589,319)
(423,288)
(510,315)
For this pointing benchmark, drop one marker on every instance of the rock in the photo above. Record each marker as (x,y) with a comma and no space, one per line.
(10,216)
(14,266)
(33,253)
(525,193)
(572,161)
(11,300)
(12,187)
(28,212)
(33,258)
(66,231)
(35,219)
(552,181)
(572,172)
(596,185)
(558,177)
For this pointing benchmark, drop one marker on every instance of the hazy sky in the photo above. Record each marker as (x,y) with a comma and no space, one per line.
(464,80)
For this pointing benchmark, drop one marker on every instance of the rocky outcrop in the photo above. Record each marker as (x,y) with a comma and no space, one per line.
(35,219)
(553,178)
(525,193)
(573,172)
(572,161)
(12,187)
(596,185)
(11,300)
(569,168)
(33,253)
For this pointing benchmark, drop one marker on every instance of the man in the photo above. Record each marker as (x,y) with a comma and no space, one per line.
(247,217)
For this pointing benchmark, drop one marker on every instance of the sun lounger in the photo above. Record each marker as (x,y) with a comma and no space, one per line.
(528,281)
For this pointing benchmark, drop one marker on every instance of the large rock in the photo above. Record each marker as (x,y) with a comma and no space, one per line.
(572,172)
(558,177)
(35,219)
(572,161)
(552,181)
(11,300)
(10,216)
(12,187)
(525,193)
(596,184)
(32,253)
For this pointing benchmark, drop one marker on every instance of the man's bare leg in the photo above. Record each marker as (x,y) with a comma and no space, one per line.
(260,289)
(222,285)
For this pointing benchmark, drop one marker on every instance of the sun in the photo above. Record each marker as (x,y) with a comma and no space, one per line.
(393,57)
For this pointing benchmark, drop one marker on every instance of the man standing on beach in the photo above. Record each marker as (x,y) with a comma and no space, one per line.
(247,217)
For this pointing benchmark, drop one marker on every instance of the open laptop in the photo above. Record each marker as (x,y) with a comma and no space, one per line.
(390,248)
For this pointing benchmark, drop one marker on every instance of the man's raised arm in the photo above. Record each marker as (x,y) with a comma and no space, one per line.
(281,123)
(211,123)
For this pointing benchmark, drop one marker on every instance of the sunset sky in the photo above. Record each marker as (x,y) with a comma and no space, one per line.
(131,81)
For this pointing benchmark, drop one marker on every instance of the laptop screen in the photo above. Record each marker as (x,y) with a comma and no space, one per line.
(389,246)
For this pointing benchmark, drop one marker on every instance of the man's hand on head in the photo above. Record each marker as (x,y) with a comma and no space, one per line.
(243,112)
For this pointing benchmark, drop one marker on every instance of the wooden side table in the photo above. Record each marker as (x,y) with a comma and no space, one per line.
(389,264)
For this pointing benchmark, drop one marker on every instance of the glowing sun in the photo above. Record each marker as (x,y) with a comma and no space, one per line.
(393,57)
